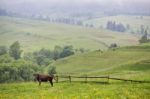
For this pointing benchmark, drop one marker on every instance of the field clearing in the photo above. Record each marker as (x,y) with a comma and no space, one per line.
(34,35)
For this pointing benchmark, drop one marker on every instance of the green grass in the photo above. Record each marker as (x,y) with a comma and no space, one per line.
(75,91)
(127,62)
(131,62)
(34,35)
(134,21)
(135,58)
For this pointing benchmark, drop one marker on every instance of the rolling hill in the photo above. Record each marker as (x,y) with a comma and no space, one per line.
(126,62)
(130,62)
(34,35)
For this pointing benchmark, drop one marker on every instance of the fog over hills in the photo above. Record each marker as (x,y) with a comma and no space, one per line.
(74,6)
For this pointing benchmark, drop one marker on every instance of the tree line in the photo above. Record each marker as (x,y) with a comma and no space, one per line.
(44,56)
(144,38)
(16,66)
(112,25)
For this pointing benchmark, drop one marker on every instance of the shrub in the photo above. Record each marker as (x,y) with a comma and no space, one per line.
(15,51)
(51,70)
(3,50)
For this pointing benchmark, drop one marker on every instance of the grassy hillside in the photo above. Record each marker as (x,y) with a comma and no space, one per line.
(127,62)
(130,62)
(134,21)
(34,35)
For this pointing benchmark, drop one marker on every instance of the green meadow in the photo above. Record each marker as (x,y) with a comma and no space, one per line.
(127,62)
(131,62)
(30,90)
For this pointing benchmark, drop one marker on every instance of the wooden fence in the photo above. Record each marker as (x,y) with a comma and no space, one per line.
(69,77)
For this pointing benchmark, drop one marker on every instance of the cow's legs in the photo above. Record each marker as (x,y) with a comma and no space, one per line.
(51,82)
(39,83)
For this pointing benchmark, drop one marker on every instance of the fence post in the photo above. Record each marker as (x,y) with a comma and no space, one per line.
(108,79)
(56,78)
(70,78)
(86,79)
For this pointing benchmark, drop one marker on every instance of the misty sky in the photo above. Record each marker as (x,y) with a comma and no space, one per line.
(12,2)
(36,5)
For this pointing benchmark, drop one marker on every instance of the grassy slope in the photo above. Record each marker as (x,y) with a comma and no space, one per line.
(133,21)
(34,35)
(128,62)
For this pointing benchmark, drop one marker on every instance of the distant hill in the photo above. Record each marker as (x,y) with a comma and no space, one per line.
(135,23)
(34,35)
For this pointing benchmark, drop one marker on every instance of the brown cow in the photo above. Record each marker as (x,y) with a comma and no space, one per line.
(43,78)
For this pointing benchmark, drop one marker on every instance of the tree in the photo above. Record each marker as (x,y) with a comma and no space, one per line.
(113,46)
(6,58)
(3,50)
(28,56)
(52,70)
(120,27)
(25,72)
(67,51)
(15,51)
(144,38)
(45,52)
(43,57)
(115,27)
(56,53)
(108,26)
(128,27)
(91,25)
(38,58)
(142,30)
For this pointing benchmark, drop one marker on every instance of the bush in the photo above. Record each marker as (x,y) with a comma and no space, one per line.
(113,45)
(17,70)
(6,59)
(3,50)
(25,73)
(67,51)
(8,74)
(51,70)
(15,51)
(144,38)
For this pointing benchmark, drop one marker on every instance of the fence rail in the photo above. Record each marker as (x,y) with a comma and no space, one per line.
(107,77)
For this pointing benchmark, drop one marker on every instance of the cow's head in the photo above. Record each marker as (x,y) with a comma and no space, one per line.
(35,76)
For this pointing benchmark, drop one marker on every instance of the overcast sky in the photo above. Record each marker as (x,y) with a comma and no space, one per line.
(6,2)
(44,4)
